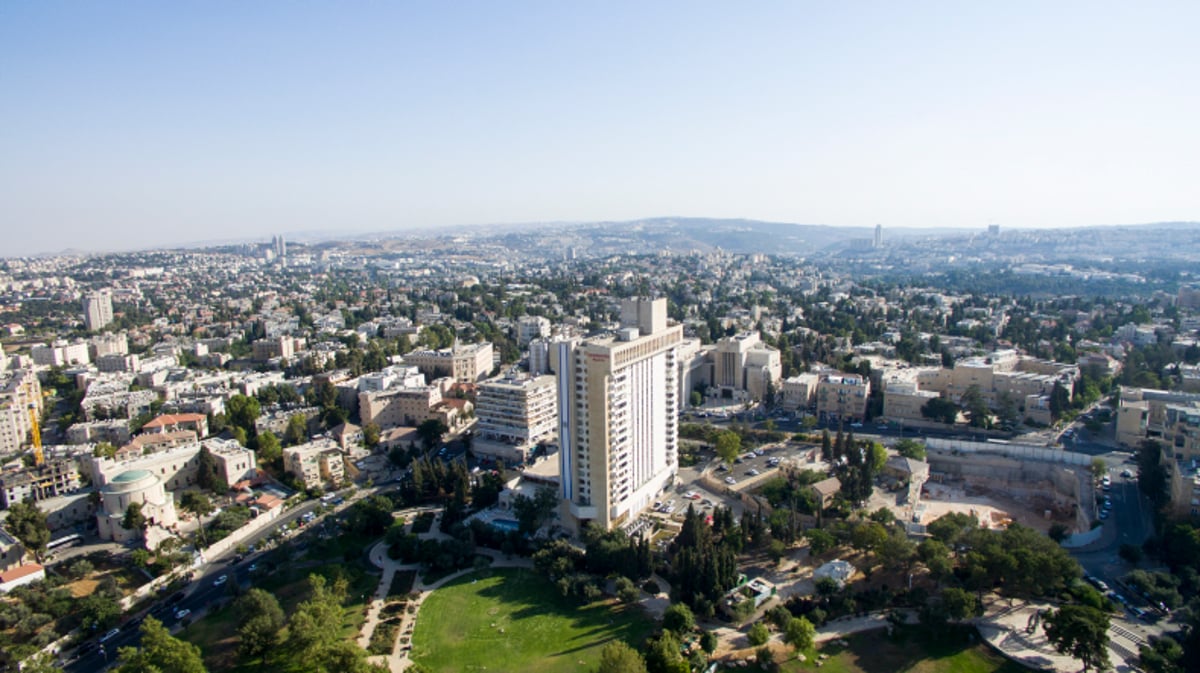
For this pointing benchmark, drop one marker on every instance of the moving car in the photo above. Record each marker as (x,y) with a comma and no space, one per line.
(110,635)
(220,580)
(180,615)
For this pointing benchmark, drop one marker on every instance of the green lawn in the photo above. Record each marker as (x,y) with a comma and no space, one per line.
(909,651)
(515,620)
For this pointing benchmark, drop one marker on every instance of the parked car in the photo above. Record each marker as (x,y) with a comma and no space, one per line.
(220,580)
(752,472)
(182,614)
(730,480)
(110,635)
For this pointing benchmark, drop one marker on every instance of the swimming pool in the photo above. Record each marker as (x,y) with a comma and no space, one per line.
(505,524)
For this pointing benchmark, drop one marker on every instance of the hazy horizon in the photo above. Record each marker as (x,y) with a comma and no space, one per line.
(143,125)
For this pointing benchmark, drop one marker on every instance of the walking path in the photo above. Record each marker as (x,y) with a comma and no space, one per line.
(398,660)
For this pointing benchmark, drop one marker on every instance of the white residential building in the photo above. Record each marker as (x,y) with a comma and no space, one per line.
(518,412)
(97,310)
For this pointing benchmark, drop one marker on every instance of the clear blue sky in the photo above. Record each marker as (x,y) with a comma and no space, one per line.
(134,124)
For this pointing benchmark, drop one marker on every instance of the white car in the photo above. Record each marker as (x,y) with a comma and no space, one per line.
(110,635)
(220,580)
(730,480)
(179,616)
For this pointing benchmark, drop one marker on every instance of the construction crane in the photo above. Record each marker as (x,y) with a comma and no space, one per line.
(35,430)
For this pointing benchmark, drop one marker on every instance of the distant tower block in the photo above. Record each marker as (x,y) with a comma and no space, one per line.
(993,230)
(878,242)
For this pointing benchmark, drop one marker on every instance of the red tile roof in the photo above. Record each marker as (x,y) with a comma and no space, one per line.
(19,572)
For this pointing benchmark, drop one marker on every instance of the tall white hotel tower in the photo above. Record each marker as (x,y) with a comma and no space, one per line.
(618,417)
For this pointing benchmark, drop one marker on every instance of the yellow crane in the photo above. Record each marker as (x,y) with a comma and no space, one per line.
(36,430)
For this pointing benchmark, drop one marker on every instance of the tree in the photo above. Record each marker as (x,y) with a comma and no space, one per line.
(134,519)
(1099,469)
(28,524)
(371,435)
(39,663)
(959,604)
(309,630)
(877,457)
(98,610)
(208,472)
(1081,632)
(868,536)
(978,414)
(269,449)
(820,541)
(709,642)
(1060,400)
(1153,480)
(242,411)
(758,634)
(260,620)
(532,512)
(1164,655)
(617,657)
(160,652)
(431,432)
(1130,553)
(910,448)
(663,655)
(679,619)
(940,409)
(1058,532)
(799,633)
(296,431)
(729,445)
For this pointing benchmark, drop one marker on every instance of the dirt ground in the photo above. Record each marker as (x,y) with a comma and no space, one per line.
(991,510)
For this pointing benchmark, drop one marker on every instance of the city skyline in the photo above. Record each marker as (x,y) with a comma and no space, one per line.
(141,126)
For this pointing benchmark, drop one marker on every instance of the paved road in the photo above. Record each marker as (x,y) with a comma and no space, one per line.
(198,595)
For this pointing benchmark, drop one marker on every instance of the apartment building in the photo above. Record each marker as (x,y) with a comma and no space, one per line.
(465,363)
(319,463)
(904,400)
(842,397)
(61,353)
(531,327)
(618,415)
(400,406)
(799,393)
(1170,417)
(97,310)
(20,395)
(517,412)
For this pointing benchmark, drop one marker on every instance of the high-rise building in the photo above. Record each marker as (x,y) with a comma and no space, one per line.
(878,241)
(97,310)
(618,417)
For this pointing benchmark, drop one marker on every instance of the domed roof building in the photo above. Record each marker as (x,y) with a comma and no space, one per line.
(134,486)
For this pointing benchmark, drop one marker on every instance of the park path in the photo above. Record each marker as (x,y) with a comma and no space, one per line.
(398,660)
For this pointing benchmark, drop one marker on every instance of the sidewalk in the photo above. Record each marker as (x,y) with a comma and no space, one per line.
(1006,629)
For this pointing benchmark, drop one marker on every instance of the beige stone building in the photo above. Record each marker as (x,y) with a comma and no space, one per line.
(1170,417)
(465,363)
(743,363)
(842,397)
(128,487)
(618,416)
(518,412)
(320,463)
(799,393)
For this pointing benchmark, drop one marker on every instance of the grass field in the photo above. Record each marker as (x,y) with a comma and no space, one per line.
(909,651)
(515,620)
